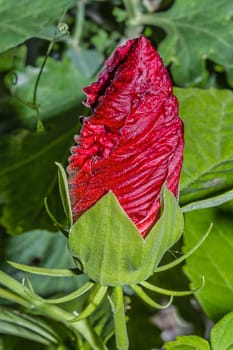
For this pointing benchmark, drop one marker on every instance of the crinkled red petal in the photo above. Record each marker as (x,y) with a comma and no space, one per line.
(133,142)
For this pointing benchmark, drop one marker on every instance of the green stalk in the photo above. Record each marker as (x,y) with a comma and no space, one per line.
(134,27)
(79,21)
(34,99)
(95,299)
(118,310)
(82,327)
(20,294)
(132,8)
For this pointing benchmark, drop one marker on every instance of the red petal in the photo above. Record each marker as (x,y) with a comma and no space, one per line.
(133,143)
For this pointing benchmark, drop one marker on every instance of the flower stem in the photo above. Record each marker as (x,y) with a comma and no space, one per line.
(117,304)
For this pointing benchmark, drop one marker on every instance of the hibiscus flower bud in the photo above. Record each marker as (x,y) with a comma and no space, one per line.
(132,144)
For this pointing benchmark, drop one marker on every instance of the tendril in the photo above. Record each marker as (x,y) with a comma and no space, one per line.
(61,30)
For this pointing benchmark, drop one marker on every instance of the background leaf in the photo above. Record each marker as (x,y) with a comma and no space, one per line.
(221,336)
(28,175)
(208,155)
(190,342)
(13,59)
(43,249)
(11,342)
(20,20)
(31,155)
(196,31)
(60,90)
(212,260)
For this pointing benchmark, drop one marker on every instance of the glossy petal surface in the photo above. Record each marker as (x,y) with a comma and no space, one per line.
(133,142)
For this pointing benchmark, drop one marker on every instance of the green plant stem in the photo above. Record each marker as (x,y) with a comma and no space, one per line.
(118,310)
(158,20)
(79,21)
(8,295)
(96,297)
(134,26)
(34,99)
(132,8)
(82,327)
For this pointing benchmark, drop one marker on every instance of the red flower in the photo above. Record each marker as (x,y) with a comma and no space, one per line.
(133,142)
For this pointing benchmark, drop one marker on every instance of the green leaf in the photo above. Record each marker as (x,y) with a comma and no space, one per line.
(40,249)
(221,336)
(208,154)
(209,202)
(13,59)
(28,175)
(59,90)
(101,237)
(213,260)
(85,61)
(10,342)
(21,20)
(196,31)
(190,342)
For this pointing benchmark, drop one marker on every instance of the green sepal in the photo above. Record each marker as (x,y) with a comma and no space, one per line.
(110,247)
(96,298)
(140,292)
(174,293)
(64,193)
(46,272)
(56,223)
(74,295)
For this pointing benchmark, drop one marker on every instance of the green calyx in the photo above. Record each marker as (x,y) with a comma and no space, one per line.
(109,246)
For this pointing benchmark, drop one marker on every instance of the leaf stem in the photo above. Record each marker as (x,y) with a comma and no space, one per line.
(118,310)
